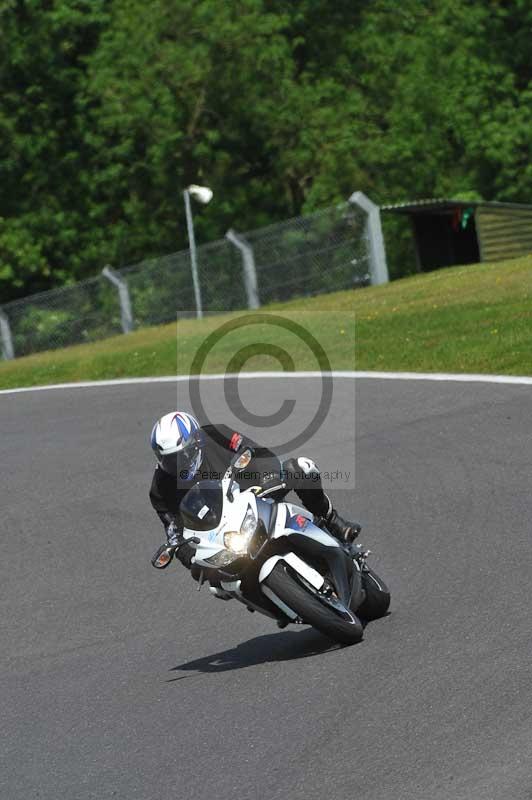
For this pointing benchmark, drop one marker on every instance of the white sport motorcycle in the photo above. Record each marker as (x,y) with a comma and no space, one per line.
(273,558)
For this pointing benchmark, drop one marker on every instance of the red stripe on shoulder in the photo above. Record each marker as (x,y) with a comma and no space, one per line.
(236,441)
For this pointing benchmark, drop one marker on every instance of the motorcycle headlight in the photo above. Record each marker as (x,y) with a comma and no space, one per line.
(221,559)
(238,541)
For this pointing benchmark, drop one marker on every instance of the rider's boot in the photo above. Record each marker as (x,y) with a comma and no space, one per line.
(340,528)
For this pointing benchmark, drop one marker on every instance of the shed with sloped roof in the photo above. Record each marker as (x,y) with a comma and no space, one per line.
(449,232)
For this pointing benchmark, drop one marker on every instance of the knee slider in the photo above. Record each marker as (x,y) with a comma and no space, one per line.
(308,466)
(297,472)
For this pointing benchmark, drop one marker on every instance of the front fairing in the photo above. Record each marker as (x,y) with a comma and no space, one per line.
(211,550)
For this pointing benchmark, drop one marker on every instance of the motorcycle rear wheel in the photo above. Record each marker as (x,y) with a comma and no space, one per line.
(312,610)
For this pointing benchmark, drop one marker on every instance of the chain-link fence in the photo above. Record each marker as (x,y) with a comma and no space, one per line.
(84,312)
(321,252)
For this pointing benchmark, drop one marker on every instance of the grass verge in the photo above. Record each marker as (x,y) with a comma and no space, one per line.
(463,319)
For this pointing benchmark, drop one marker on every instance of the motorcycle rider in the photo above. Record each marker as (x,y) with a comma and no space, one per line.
(187,453)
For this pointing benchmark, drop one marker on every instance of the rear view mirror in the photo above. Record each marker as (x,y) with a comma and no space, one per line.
(237,464)
(163,556)
(243,460)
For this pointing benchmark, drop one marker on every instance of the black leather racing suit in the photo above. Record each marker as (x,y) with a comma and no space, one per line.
(220,445)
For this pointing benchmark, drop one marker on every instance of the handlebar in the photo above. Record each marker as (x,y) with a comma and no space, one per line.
(191,540)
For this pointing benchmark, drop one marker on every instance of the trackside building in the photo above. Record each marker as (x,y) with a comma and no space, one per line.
(451,232)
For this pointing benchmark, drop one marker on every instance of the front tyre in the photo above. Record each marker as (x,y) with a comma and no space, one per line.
(377,599)
(312,610)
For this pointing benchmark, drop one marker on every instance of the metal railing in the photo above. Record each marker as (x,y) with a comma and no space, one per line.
(337,248)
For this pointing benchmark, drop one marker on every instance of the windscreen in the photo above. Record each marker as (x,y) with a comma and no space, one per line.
(201,507)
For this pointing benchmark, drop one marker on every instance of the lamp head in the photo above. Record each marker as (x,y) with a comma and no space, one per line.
(200,193)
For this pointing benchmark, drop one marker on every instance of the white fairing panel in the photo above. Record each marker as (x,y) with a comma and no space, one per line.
(311,530)
(211,542)
(293,509)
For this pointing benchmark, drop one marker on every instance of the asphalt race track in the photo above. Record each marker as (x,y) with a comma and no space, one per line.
(121,682)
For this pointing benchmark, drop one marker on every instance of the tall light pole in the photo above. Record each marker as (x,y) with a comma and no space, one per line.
(203,195)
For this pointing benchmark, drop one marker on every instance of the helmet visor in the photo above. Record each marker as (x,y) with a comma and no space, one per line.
(184,463)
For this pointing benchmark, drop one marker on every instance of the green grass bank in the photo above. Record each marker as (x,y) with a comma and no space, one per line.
(463,319)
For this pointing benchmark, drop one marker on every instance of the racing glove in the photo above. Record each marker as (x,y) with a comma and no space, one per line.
(175,545)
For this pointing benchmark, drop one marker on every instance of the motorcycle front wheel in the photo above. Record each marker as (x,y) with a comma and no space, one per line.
(346,629)
(377,599)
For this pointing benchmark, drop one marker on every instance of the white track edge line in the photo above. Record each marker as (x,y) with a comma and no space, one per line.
(401,376)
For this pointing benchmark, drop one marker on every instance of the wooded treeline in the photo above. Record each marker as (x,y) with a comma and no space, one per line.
(109,108)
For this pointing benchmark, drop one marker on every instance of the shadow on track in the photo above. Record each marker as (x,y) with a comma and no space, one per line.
(285,646)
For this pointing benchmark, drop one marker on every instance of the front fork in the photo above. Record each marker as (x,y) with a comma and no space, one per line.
(359,555)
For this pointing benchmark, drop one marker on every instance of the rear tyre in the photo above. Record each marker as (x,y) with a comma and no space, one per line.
(312,610)
(377,599)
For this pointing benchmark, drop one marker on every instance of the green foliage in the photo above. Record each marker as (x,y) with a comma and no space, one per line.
(42,69)
(46,329)
(109,108)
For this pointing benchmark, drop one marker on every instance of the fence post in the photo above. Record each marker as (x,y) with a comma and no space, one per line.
(377,253)
(8,350)
(123,295)
(248,266)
